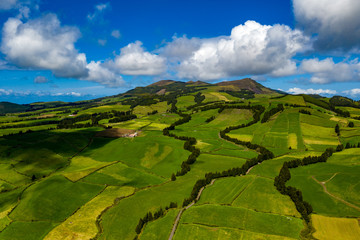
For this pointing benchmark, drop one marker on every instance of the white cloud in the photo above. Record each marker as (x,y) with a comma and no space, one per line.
(311,91)
(10,92)
(73,94)
(116,34)
(41,79)
(5,92)
(102,42)
(251,49)
(335,21)
(23,6)
(134,60)
(8,4)
(100,74)
(353,92)
(325,71)
(99,9)
(43,44)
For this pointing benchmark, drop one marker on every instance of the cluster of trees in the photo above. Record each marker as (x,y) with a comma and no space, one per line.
(334,101)
(243,93)
(303,207)
(351,124)
(27,119)
(152,113)
(342,113)
(122,118)
(140,101)
(272,112)
(295,105)
(210,119)
(343,101)
(337,129)
(198,98)
(153,216)
(115,116)
(31,124)
(24,132)
(305,112)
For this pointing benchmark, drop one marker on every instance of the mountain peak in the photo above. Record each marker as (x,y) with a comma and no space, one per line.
(162,83)
(246,83)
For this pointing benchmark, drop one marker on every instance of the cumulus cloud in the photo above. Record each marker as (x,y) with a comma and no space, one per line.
(10,92)
(100,74)
(325,71)
(311,91)
(99,9)
(73,94)
(336,23)
(23,6)
(102,42)
(43,44)
(251,49)
(7,4)
(134,60)
(116,34)
(5,92)
(353,92)
(41,79)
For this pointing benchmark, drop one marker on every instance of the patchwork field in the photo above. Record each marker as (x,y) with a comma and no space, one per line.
(200,166)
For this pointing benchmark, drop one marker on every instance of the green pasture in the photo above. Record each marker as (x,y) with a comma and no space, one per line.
(241,219)
(161,228)
(341,180)
(53,199)
(151,151)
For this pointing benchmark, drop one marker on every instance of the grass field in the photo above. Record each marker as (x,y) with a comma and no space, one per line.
(82,225)
(44,201)
(335,228)
(240,219)
(79,184)
(340,175)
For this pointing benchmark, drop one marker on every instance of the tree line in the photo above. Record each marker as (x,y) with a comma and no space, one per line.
(271,112)
(114,116)
(303,207)
(303,111)
(188,145)
(265,154)
(152,217)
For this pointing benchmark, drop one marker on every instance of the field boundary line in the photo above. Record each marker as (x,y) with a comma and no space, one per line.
(335,197)
(177,220)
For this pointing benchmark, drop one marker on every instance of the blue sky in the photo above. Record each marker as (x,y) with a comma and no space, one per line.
(75,50)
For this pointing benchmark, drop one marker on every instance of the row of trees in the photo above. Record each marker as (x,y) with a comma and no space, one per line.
(303,111)
(153,216)
(31,124)
(188,145)
(114,116)
(198,98)
(272,112)
(264,154)
(303,207)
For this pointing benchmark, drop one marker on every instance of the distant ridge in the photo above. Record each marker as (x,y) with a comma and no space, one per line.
(246,83)
(162,83)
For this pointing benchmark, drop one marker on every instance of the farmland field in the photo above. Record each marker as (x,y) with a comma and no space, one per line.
(189,161)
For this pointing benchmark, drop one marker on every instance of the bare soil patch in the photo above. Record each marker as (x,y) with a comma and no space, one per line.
(116,133)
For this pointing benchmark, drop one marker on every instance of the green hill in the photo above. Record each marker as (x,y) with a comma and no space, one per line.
(182,160)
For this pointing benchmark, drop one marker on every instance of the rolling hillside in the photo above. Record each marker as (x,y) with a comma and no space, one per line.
(176,160)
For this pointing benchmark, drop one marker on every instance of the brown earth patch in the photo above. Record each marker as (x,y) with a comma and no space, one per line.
(116,133)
